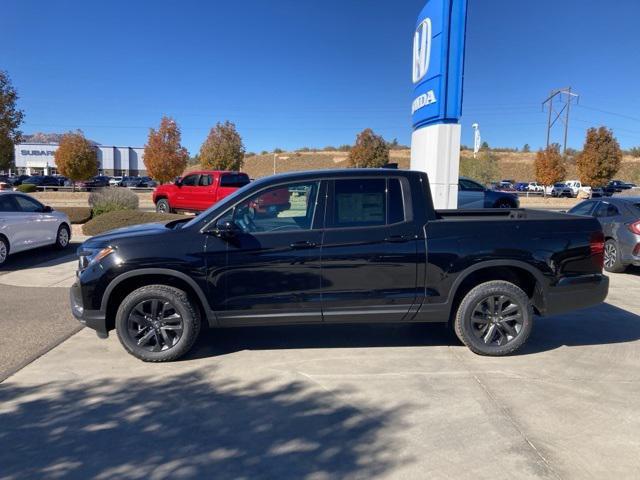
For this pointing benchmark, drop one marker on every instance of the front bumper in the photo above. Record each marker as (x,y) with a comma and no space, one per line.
(94,319)
(572,293)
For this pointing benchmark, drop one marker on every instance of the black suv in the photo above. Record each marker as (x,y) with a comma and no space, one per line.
(351,246)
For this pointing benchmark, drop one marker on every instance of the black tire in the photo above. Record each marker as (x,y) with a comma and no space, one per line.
(63,237)
(612,261)
(4,250)
(163,206)
(131,331)
(476,320)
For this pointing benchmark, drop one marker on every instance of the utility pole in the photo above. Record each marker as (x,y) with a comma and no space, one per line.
(566,97)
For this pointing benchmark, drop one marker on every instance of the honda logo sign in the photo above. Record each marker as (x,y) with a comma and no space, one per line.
(421,50)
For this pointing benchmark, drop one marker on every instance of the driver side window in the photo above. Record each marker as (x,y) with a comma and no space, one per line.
(279,209)
(190,180)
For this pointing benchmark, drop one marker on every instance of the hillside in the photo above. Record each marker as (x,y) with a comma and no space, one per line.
(518,166)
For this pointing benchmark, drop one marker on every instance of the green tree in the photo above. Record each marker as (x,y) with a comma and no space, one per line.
(10,120)
(600,158)
(76,157)
(483,169)
(549,166)
(484,146)
(223,148)
(526,148)
(164,156)
(370,150)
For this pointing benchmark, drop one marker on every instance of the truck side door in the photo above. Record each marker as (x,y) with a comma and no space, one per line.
(186,195)
(369,251)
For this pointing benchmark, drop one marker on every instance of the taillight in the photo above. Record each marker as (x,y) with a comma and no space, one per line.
(596,245)
(634,227)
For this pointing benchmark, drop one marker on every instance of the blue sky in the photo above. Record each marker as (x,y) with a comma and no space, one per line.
(294,73)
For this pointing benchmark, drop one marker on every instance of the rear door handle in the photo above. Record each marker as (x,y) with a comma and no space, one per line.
(398,238)
(303,244)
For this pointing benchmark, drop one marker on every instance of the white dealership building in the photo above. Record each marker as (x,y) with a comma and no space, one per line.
(39,159)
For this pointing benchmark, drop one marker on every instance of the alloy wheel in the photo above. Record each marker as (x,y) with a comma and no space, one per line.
(3,252)
(610,255)
(63,237)
(155,325)
(497,320)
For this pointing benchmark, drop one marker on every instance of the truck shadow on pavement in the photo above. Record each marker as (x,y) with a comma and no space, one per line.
(602,324)
(193,426)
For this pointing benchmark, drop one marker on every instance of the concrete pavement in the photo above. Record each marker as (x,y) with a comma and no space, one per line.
(337,402)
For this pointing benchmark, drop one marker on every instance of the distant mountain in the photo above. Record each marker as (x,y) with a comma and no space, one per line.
(40,137)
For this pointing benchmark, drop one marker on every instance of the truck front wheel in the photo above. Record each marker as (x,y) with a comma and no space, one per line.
(163,206)
(495,318)
(157,323)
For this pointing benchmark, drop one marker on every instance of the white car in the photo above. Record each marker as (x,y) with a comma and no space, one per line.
(115,181)
(574,185)
(25,223)
(534,187)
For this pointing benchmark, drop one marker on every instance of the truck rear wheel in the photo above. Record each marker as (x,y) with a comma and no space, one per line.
(157,323)
(495,318)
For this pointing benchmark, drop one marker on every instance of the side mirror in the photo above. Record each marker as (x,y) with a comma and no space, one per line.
(47,209)
(178,182)
(225,229)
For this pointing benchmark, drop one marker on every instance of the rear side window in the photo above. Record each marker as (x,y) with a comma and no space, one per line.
(235,180)
(607,210)
(359,203)
(582,209)
(395,200)
(205,180)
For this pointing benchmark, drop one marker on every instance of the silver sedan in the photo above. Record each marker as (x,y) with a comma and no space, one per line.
(25,223)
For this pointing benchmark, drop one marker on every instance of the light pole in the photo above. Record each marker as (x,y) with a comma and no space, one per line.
(274,163)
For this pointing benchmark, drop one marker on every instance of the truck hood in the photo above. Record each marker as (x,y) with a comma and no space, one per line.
(146,229)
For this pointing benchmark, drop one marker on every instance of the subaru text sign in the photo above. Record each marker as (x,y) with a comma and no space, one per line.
(438,62)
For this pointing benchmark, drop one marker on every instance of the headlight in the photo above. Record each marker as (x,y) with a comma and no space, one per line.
(91,256)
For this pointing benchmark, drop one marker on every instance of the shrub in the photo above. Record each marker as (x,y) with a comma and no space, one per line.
(27,188)
(77,215)
(125,218)
(112,199)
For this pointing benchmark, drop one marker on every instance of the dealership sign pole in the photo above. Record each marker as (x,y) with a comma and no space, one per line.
(438,65)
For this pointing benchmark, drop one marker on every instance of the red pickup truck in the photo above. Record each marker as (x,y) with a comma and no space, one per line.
(197,191)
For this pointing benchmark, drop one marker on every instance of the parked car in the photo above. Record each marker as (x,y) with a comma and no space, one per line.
(521,187)
(25,223)
(472,194)
(197,191)
(535,187)
(99,181)
(618,185)
(115,181)
(17,180)
(42,181)
(620,220)
(138,182)
(360,245)
(575,186)
(561,190)
(62,180)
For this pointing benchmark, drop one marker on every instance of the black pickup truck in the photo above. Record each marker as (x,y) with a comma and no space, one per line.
(358,245)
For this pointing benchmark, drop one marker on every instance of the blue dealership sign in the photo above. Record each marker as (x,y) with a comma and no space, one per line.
(438,62)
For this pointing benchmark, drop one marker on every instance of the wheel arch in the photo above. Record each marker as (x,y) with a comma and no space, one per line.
(530,280)
(127,282)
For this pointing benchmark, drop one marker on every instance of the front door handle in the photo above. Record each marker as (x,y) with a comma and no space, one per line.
(303,244)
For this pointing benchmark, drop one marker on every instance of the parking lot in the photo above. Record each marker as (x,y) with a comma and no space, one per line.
(405,401)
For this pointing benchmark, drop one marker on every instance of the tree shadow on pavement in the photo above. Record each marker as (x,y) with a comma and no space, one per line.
(191,426)
(599,325)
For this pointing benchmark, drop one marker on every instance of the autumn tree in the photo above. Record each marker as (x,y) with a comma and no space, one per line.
(76,157)
(370,150)
(10,119)
(164,156)
(600,158)
(223,149)
(483,169)
(549,165)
